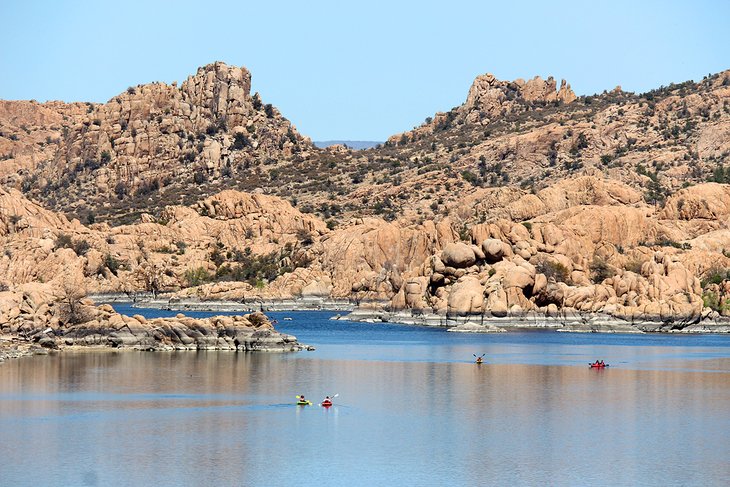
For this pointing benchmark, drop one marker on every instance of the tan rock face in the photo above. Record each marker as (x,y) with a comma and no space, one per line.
(710,201)
(458,255)
(466,297)
(494,250)
(371,256)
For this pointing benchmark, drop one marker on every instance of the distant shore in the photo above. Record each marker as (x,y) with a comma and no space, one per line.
(376,312)
(248,306)
(573,322)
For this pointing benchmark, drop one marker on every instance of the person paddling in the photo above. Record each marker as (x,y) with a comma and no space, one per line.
(327,401)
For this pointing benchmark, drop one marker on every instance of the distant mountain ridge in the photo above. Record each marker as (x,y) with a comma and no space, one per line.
(155,145)
(352,144)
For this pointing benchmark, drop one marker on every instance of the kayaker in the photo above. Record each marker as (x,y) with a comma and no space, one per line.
(301,398)
(479,360)
(327,400)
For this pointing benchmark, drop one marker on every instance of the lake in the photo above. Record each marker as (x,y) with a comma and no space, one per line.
(412,409)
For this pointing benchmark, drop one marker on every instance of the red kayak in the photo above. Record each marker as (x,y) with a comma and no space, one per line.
(326,404)
(598,366)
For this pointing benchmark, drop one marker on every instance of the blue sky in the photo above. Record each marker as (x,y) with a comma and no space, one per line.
(356,70)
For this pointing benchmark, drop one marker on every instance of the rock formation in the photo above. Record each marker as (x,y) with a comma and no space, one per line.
(525,200)
(147,138)
(57,318)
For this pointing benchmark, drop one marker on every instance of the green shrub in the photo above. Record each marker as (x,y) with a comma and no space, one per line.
(553,269)
(63,241)
(240,141)
(111,263)
(714,275)
(198,276)
(81,247)
(634,266)
(470,178)
(713,301)
(600,270)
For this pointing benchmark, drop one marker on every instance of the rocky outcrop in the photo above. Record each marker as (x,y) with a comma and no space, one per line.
(569,193)
(546,271)
(55,319)
(710,201)
(571,260)
(155,135)
(158,144)
(490,98)
(640,148)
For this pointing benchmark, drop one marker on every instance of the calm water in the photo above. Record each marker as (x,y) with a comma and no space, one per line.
(412,410)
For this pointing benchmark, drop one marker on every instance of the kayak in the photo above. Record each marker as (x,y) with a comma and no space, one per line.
(598,366)
(326,404)
(305,403)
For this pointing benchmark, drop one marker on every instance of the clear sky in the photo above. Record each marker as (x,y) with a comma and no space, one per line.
(357,70)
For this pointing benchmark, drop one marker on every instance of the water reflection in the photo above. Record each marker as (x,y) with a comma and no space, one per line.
(218,418)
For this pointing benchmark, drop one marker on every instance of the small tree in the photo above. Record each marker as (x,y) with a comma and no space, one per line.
(553,269)
(70,297)
(81,246)
(256,101)
(240,141)
(151,277)
(121,190)
(600,270)
(63,241)
(197,276)
(304,236)
(111,263)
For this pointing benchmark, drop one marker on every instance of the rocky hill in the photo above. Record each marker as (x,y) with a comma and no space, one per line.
(159,144)
(524,201)
(158,140)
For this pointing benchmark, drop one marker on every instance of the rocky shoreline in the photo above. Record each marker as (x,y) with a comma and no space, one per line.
(575,322)
(377,312)
(34,320)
